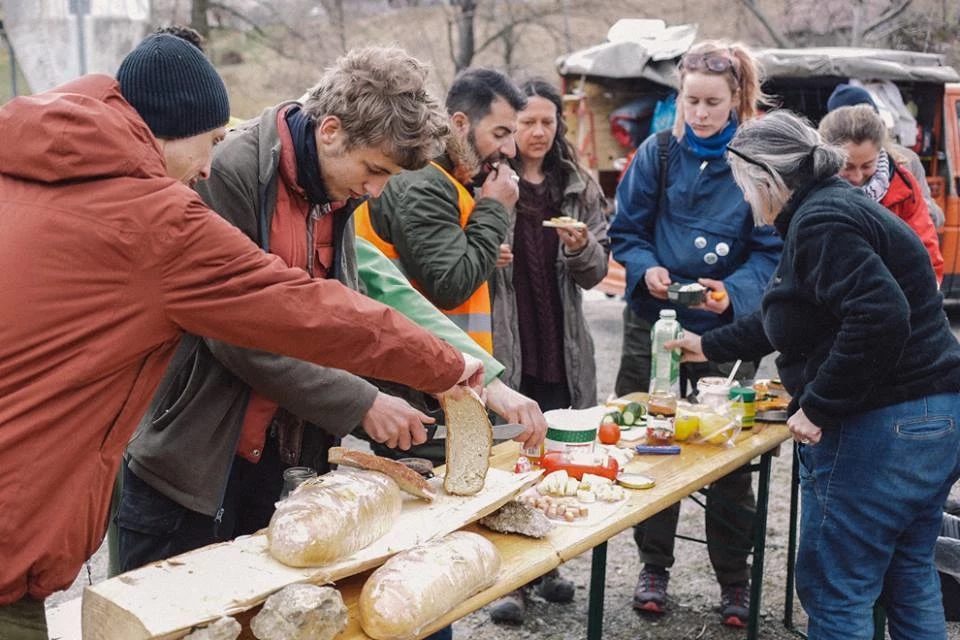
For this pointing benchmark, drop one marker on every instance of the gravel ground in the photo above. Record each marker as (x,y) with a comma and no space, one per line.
(694,593)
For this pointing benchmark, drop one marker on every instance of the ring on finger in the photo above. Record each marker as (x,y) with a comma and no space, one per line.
(515,177)
(804,440)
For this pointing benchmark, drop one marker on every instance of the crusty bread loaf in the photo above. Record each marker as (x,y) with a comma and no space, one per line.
(417,587)
(332,517)
(408,479)
(469,440)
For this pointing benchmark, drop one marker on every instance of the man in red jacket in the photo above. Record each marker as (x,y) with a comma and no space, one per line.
(106,256)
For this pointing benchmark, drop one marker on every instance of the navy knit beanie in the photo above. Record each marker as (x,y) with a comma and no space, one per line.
(173,87)
(847,95)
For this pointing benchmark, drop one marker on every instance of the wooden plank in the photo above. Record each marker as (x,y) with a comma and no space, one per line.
(525,558)
(165,599)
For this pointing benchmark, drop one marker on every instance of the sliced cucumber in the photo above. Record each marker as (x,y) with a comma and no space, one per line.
(632,413)
(614,417)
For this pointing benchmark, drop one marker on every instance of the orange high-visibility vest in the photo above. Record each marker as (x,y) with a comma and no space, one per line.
(473,316)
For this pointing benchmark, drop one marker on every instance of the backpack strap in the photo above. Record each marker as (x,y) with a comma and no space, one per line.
(663,152)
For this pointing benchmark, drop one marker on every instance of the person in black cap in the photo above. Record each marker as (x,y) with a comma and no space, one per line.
(106,258)
(848,95)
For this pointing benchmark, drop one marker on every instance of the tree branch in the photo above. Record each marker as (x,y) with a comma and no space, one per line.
(267,39)
(888,16)
(782,41)
(499,33)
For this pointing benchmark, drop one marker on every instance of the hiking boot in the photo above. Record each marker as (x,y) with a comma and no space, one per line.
(510,609)
(650,593)
(553,588)
(735,604)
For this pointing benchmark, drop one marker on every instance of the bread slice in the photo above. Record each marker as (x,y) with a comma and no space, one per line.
(408,479)
(469,440)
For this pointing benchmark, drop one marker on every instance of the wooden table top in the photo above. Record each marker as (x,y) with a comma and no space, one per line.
(524,559)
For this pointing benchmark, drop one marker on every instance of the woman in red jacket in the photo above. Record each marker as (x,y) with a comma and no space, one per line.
(873,168)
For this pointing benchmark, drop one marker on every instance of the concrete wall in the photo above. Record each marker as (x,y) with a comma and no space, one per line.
(46,38)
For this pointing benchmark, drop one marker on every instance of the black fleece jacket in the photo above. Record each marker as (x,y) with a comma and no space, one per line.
(853,308)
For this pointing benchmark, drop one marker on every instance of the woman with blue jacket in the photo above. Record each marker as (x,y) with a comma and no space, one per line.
(681,218)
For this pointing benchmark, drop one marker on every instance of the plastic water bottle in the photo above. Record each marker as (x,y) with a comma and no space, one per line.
(665,365)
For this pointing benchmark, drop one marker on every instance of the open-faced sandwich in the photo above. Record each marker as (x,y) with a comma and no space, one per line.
(561,222)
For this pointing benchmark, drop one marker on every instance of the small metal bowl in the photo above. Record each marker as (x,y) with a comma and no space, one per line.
(686,298)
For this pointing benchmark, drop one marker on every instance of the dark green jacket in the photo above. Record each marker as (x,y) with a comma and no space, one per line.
(418,214)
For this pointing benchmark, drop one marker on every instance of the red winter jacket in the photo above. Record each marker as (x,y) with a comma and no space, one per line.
(104,260)
(905,199)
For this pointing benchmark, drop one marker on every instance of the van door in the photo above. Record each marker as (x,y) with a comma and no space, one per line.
(950,239)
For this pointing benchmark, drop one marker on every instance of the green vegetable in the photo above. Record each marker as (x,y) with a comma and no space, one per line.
(633,413)
(613,417)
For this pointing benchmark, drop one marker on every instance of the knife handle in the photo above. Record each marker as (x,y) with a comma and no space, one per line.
(658,449)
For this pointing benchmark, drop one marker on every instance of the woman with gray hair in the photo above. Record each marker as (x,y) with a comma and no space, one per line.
(867,353)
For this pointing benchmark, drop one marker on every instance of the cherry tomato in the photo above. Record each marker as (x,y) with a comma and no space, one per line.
(609,433)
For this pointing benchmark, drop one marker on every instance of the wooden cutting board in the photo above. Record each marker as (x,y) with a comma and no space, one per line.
(166,599)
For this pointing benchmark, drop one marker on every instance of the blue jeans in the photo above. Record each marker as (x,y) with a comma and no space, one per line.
(872,493)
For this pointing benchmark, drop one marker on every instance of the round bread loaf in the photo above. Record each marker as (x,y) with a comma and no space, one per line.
(416,587)
(332,517)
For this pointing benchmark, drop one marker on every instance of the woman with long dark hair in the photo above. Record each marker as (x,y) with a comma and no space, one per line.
(539,331)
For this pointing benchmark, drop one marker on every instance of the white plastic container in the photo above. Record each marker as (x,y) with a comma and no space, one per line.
(572,429)
(713,392)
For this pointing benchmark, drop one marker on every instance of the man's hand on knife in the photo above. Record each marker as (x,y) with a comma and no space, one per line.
(516,407)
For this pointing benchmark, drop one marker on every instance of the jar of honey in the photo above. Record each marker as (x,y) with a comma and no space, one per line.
(661,418)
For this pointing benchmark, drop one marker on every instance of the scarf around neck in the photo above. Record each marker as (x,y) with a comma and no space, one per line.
(308,161)
(714,146)
(876,187)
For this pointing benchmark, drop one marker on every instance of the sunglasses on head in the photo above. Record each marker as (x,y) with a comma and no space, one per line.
(714,61)
(753,161)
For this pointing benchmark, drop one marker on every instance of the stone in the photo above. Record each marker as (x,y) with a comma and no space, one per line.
(301,612)
(516,517)
(225,628)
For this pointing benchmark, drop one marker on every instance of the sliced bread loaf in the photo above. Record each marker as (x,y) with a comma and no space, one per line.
(469,439)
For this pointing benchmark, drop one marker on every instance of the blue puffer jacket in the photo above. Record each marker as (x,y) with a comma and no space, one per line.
(705,231)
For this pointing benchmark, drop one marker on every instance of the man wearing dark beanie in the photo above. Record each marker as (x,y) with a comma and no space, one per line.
(106,258)
(848,95)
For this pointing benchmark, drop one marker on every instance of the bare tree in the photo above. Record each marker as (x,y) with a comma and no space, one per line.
(334,9)
(781,40)
(464,14)
(503,23)
(198,17)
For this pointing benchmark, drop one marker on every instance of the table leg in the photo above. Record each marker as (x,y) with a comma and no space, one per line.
(792,545)
(760,546)
(598,579)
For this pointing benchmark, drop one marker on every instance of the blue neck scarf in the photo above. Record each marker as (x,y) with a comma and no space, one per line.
(714,146)
(308,162)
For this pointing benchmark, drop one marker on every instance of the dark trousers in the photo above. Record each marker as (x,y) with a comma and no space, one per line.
(730,502)
(25,619)
(152,527)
